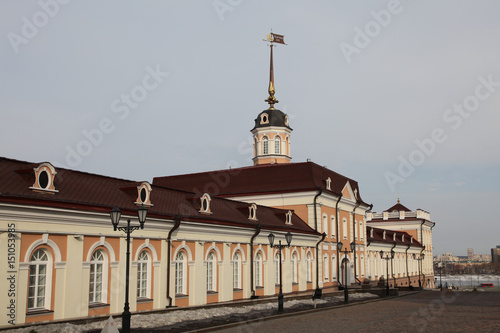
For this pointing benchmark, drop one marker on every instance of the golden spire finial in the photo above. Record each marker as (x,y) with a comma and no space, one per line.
(272,38)
(398,200)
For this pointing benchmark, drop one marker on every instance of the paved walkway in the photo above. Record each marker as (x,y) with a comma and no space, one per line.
(430,311)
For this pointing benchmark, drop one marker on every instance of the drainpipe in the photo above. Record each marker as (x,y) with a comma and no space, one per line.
(338,235)
(421,266)
(318,292)
(315,212)
(177,220)
(422,242)
(407,275)
(354,237)
(257,231)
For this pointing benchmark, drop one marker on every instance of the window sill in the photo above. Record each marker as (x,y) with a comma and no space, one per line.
(211,292)
(38,312)
(237,289)
(97,305)
(181,296)
(144,300)
(259,287)
(294,283)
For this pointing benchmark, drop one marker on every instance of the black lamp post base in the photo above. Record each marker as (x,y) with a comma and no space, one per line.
(317,293)
(280,302)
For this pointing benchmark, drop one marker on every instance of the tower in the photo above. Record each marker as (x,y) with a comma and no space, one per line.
(271,133)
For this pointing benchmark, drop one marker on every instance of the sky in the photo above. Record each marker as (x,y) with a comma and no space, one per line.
(401,96)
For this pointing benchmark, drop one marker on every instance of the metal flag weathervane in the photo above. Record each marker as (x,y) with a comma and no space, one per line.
(280,39)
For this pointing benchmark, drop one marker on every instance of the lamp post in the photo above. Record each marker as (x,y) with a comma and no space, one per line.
(387,258)
(345,252)
(439,266)
(115,215)
(288,238)
(422,256)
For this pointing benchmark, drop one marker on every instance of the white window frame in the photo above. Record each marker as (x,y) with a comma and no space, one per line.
(308,267)
(181,273)
(258,269)
(237,271)
(332,226)
(326,276)
(212,272)
(344,225)
(325,224)
(277,268)
(39,294)
(144,275)
(265,145)
(334,267)
(294,263)
(277,144)
(95,280)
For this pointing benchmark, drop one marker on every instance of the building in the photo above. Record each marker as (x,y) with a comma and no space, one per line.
(495,254)
(413,257)
(205,238)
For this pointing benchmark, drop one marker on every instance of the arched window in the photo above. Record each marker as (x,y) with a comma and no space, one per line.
(258,269)
(180,274)
(325,268)
(277,143)
(212,272)
(237,271)
(277,268)
(334,267)
(308,267)
(98,277)
(265,146)
(325,224)
(143,275)
(39,280)
(294,268)
(344,224)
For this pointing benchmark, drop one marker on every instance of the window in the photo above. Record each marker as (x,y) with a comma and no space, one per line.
(361,230)
(265,146)
(252,215)
(237,271)
(355,229)
(143,275)
(205,204)
(328,183)
(98,277)
(289,217)
(211,272)
(44,178)
(325,268)
(308,267)
(334,267)
(332,226)
(39,280)
(258,270)
(277,268)
(144,194)
(264,118)
(325,224)
(180,274)
(344,224)
(294,268)
(277,143)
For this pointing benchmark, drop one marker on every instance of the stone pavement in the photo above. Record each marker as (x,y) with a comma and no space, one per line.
(429,311)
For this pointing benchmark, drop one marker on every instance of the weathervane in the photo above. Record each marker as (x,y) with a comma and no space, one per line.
(280,39)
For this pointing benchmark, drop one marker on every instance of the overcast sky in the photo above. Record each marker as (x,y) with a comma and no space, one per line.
(401,96)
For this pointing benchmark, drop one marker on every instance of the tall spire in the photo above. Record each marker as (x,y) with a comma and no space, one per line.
(272,38)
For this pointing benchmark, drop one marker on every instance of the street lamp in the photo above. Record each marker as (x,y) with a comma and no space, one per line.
(439,266)
(288,238)
(345,252)
(115,215)
(387,258)
(422,256)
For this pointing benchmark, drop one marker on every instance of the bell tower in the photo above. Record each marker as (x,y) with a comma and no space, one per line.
(271,133)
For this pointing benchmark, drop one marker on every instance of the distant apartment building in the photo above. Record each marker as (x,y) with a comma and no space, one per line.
(495,254)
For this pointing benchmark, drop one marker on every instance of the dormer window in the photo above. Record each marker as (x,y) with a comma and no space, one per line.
(286,120)
(328,182)
(252,214)
(371,232)
(356,193)
(383,235)
(289,217)
(205,204)
(403,238)
(264,118)
(394,237)
(44,178)
(411,239)
(144,194)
